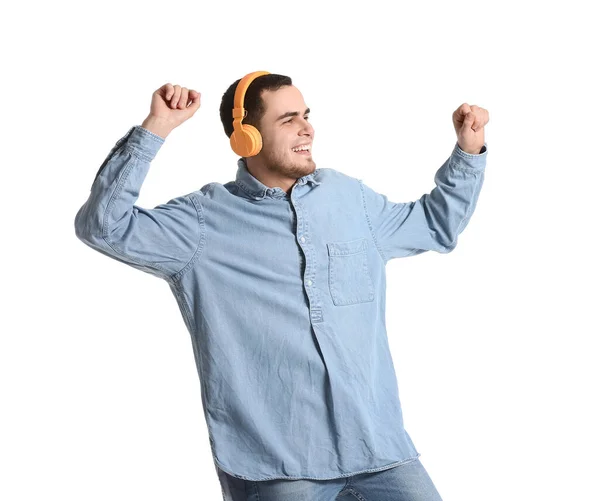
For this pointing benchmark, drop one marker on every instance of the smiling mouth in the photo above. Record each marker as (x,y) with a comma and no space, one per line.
(304,149)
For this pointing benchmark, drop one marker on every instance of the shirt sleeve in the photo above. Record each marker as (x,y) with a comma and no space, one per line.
(435,220)
(162,241)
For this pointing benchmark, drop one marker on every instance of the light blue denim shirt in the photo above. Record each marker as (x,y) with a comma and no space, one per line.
(284,298)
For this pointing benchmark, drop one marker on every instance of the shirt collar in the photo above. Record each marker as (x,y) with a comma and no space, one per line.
(257,190)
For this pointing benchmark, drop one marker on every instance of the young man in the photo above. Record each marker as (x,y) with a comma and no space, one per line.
(280,279)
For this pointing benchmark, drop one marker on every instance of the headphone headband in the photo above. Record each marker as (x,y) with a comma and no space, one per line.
(240,93)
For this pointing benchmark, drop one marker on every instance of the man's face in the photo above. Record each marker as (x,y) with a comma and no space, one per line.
(283,127)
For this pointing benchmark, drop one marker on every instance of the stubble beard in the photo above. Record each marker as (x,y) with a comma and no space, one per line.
(296,169)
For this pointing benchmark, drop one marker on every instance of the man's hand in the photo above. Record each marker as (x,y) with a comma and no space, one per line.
(171,106)
(469,122)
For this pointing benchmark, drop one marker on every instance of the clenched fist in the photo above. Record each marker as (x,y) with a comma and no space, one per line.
(469,122)
(171,106)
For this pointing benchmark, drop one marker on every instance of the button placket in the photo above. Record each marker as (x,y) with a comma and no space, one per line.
(316,313)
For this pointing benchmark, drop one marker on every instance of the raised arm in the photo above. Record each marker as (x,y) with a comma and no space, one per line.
(163,241)
(435,220)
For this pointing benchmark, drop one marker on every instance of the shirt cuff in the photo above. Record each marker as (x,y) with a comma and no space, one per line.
(474,161)
(145,143)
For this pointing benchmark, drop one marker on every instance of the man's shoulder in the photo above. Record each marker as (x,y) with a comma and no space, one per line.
(209,189)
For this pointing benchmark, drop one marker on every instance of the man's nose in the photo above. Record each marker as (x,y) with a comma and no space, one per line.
(307,130)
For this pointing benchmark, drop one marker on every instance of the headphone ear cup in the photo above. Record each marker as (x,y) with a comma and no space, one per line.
(246,143)
(255,139)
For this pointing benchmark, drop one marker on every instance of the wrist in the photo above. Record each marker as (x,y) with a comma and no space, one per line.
(158,126)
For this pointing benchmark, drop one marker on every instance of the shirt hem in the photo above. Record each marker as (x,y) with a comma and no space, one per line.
(344,475)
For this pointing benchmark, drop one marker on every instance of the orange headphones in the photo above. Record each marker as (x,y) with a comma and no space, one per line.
(245,141)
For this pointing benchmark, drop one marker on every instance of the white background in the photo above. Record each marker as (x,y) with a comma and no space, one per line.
(494,344)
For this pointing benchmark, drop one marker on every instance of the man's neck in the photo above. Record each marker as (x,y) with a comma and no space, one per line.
(267,177)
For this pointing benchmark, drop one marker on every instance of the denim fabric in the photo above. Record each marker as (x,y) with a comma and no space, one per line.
(408,481)
(284,299)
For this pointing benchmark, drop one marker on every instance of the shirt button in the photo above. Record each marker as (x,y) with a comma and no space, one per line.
(309,282)
(302,239)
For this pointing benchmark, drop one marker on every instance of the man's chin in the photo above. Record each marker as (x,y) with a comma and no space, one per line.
(307,164)
(297,168)
(309,168)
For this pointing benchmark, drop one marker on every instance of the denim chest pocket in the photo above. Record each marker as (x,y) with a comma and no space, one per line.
(350,280)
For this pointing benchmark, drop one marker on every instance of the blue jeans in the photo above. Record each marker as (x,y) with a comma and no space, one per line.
(408,481)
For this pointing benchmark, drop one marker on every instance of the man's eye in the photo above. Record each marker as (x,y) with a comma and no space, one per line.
(288,121)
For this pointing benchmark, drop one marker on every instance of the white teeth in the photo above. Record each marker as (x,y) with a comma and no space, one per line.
(302,148)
